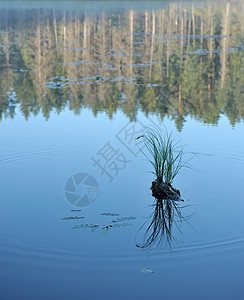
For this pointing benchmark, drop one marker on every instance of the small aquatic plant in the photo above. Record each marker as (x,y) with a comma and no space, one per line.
(166,156)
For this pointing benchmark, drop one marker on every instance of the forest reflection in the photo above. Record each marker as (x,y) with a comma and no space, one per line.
(178,61)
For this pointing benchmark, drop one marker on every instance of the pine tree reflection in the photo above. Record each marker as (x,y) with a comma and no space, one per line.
(177,61)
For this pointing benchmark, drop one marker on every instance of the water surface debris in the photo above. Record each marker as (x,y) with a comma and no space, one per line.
(72,218)
(146,270)
(109,214)
(123,219)
(93,227)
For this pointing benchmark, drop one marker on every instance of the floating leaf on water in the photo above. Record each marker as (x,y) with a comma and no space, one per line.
(123,219)
(104,230)
(146,270)
(72,218)
(121,225)
(109,214)
(93,227)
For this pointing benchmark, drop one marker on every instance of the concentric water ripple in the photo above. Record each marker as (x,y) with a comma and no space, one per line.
(16,159)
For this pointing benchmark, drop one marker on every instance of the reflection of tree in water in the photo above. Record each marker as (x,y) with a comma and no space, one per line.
(178,61)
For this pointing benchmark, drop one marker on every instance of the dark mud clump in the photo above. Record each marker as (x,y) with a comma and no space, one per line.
(165,191)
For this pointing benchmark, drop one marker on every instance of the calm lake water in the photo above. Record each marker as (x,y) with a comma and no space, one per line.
(79,81)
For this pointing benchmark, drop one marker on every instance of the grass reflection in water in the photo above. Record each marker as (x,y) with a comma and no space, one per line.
(166,157)
(165,214)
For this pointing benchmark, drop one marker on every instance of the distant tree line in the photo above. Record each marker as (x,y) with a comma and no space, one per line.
(183,60)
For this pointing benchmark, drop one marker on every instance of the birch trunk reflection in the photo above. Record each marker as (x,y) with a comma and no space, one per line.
(174,61)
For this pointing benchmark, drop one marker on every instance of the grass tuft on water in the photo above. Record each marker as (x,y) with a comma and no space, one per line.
(164,154)
(166,157)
